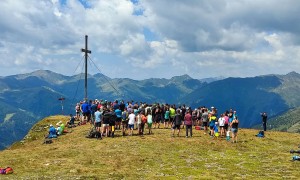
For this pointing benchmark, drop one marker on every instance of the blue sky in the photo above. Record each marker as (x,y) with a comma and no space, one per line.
(142,39)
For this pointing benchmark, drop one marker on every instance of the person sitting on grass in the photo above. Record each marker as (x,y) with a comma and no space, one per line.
(58,129)
(52,132)
(71,122)
(234,128)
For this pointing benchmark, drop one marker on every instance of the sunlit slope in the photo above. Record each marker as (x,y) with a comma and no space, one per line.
(156,156)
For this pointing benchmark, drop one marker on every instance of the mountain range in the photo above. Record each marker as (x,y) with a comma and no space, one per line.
(26,98)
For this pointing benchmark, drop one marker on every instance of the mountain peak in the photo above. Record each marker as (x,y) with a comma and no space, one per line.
(45,75)
(293,73)
(181,78)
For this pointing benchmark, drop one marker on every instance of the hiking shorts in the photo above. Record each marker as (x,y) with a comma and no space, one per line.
(234,130)
(105,125)
(130,126)
(118,120)
(98,124)
(176,126)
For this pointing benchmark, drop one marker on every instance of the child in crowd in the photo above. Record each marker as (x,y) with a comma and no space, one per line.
(216,130)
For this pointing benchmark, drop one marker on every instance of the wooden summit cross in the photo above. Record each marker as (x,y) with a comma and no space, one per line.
(86,51)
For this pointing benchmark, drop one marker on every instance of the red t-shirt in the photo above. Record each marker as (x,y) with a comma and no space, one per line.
(188,119)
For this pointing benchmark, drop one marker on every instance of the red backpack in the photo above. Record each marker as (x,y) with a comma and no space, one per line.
(7,170)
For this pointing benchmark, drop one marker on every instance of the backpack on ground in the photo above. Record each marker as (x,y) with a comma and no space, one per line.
(93,133)
(48,141)
(260,134)
(7,170)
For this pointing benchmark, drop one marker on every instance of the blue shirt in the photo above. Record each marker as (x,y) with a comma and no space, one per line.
(216,129)
(118,113)
(52,131)
(85,108)
(98,116)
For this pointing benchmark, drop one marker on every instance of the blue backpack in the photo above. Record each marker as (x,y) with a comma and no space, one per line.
(261,134)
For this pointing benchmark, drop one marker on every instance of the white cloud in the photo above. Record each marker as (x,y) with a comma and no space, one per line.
(199,38)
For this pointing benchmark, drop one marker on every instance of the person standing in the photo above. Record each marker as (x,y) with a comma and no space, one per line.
(234,128)
(97,122)
(188,123)
(264,120)
(221,122)
(149,121)
(131,122)
(177,123)
(144,121)
(124,121)
(166,117)
(118,113)
(139,122)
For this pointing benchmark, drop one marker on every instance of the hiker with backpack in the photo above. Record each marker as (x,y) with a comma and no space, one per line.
(124,121)
(212,121)
(177,122)
(105,120)
(112,122)
(119,117)
(204,118)
(166,116)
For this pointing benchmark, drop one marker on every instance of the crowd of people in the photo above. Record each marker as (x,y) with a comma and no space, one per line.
(133,118)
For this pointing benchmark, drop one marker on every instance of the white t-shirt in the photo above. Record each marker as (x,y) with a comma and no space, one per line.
(139,119)
(131,118)
(221,121)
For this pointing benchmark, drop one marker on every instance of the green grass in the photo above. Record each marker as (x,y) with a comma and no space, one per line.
(157,156)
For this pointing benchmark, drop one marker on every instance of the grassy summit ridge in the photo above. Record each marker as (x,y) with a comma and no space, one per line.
(157,156)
